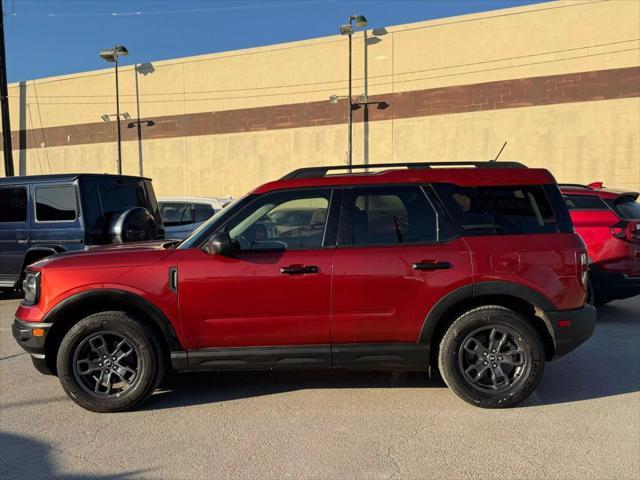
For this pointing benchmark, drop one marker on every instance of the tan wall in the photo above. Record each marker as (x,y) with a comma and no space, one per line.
(580,141)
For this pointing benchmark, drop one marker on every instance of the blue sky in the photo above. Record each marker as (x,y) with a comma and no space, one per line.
(51,37)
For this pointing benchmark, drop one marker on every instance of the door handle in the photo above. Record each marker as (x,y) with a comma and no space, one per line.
(299,269)
(431,265)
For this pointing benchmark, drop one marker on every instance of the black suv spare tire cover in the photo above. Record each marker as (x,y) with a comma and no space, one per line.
(133,225)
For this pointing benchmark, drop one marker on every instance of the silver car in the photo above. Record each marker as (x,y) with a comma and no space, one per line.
(182,215)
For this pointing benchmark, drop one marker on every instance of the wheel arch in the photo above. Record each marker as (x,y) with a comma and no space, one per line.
(41,251)
(73,309)
(529,303)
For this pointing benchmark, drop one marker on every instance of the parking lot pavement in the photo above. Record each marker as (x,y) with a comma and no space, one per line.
(583,422)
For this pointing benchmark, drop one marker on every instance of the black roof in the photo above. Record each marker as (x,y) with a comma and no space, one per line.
(59,177)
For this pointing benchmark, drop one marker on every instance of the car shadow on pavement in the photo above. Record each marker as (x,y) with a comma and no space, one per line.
(179,390)
(23,457)
(594,370)
(608,364)
(10,295)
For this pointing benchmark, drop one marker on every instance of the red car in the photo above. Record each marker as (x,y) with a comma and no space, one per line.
(609,223)
(473,269)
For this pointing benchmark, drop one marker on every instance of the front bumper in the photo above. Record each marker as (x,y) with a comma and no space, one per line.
(24,335)
(571,328)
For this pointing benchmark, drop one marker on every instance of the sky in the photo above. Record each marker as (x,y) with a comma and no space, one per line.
(50,37)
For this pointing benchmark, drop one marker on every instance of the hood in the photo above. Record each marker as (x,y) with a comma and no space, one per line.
(106,256)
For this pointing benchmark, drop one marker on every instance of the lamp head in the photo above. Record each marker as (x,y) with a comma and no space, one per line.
(345,30)
(360,20)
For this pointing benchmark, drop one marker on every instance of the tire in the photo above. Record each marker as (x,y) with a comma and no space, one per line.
(110,362)
(467,346)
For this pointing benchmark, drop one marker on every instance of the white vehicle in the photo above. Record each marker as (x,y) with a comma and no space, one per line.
(182,215)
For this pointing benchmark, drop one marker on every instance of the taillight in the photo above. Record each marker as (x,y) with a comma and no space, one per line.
(627,230)
(583,269)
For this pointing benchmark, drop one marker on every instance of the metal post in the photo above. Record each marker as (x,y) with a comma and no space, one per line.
(118,122)
(4,99)
(350,145)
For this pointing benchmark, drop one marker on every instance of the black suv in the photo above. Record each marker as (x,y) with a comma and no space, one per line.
(47,214)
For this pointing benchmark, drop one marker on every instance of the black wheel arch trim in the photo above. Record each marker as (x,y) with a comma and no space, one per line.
(48,249)
(475,290)
(121,296)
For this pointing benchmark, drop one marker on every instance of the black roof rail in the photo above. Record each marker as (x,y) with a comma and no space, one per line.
(575,185)
(314,172)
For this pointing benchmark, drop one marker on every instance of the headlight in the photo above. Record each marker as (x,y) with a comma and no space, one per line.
(31,288)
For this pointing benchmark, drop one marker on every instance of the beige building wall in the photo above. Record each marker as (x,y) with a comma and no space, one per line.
(584,132)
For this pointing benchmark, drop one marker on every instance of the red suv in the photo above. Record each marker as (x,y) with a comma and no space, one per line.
(609,223)
(473,268)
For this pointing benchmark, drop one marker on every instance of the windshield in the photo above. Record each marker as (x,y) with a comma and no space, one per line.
(194,239)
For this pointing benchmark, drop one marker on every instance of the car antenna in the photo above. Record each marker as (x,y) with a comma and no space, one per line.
(496,159)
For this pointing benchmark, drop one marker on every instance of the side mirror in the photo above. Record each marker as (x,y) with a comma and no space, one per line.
(221,244)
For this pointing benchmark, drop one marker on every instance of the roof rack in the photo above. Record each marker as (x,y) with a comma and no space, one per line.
(314,172)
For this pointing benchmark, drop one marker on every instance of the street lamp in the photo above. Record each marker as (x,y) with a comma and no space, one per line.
(111,55)
(360,21)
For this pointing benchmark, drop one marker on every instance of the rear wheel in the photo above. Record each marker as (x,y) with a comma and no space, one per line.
(491,357)
(109,362)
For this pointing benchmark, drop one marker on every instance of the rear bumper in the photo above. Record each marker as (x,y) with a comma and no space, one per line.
(571,328)
(615,285)
(32,344)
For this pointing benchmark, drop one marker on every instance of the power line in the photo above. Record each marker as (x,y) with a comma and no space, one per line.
(255,6)
(313,43)
(327,82)
(371,85)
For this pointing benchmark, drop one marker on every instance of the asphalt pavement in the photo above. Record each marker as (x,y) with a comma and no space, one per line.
(583,422)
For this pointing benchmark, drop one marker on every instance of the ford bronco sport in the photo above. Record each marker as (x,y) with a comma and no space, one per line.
(608,221)
(42,215)
(473,269)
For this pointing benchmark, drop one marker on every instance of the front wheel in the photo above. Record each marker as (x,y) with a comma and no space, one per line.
(109,362)
(491,357)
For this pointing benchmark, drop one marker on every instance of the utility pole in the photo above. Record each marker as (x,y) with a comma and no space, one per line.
(4,99)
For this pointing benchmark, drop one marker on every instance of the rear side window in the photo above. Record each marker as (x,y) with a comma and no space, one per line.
(13,204)
(387,216)
(55,204)
(502,210)
(585,202)
(627,207)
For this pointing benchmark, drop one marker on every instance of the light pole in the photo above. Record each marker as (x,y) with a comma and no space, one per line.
(360,21)
(112,55)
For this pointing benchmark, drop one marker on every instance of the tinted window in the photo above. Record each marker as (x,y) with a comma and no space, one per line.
(627,208)
(507,210)
(13,204)
(183,213)
(387,216)
(289,220)
(55,204)
(114,199)
(202,212)
(584,202)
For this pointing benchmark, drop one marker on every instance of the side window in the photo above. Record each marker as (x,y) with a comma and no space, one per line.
(387,216)
(505,210)
(55,204)
(288,220)
(202,212)
(13,204)
(584,202)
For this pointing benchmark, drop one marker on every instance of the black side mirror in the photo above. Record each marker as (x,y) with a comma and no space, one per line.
(221,244)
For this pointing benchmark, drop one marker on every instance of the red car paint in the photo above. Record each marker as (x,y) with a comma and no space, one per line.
(360,294)
(612,239)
